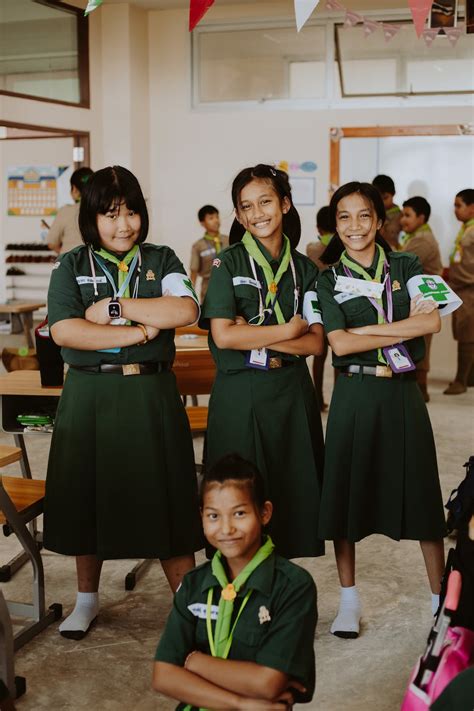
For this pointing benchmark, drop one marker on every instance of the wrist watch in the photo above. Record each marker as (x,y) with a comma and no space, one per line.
(114,308)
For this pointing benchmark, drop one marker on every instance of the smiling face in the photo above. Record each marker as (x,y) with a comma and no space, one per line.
(357,225)
(232,522)
(119,228)
(410,221)
(261,211)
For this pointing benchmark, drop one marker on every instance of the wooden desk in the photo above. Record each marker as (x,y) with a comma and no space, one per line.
(24,311)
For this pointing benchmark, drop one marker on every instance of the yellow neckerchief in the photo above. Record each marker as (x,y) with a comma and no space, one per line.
(457,249)
(408,235)
(216,239)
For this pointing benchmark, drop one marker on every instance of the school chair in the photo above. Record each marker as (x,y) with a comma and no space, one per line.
(21,500)
(11,686)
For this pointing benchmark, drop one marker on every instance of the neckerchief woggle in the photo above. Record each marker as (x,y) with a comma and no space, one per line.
(381,269)
(408,235)
(457,249)
(271,303)
(221,641)
(216,240)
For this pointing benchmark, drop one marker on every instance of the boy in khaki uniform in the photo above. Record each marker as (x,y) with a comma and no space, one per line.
(205,250)
(391,228)
(420,240)
(461,279)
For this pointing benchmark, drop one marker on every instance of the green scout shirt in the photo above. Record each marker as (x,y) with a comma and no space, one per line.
(340,312)
(71,292)
(284,642)
(233,292)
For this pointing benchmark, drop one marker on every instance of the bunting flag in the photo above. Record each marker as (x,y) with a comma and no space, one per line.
(420,9)
(429,35)
(334,5)
(370,27)
(453,34)
(303,11)
(92,5)
(352,19)
(390,30)
(197,10)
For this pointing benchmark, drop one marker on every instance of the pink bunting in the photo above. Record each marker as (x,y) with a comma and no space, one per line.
(370,27)
(429,35)
(453,34)
(197,10)
(352,18)
(334,5)
(390,30)
(420,9)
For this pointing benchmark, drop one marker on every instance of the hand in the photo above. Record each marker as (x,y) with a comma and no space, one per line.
(288,696)
(98,313)
(297,327)
(418,306)
(240,321)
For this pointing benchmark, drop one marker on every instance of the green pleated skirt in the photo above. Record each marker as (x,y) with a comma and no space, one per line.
(380,474)
(121,481)
(272,419)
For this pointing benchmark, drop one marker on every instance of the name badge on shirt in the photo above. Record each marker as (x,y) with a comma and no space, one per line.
(207,252)
(257,358)
(248,281)
(90,280)
(199,609)
(359,287)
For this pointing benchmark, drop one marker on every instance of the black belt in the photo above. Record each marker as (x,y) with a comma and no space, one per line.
(379,371)
(126,368)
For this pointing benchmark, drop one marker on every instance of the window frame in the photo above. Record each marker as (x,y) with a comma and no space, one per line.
(82,30)
(331,100)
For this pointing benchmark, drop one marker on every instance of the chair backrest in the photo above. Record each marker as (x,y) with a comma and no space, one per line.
(195,371)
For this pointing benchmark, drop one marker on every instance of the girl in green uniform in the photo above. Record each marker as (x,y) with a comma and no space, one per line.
(121,480)
(264,319)
(380,473)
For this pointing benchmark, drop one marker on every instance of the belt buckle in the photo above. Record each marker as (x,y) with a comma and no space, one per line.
(274,362)
(383,371)
(131,369)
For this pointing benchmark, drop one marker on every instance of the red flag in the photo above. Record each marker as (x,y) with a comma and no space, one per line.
(197,10)
(420,9)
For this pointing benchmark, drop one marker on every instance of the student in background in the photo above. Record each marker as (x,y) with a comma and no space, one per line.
(314,250)
(64,233)
(461,279)
(391,228)
(263,658)
(204,251)
(419,239)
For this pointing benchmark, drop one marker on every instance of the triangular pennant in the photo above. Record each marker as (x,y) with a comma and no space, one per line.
(334,5)
(453,34)
(370,26)
(429,35)
(197,10)
(352,18)
(420,9)
(303,11)
(92,5)
(390,30)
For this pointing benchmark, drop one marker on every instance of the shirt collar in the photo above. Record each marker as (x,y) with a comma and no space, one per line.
(372,267)
(261,578)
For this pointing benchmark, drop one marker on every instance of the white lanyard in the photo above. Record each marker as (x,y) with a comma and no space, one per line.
(268,311)
(94,277)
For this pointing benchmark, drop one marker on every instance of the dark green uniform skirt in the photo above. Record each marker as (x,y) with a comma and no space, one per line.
(380,474)
(272,419)
(121,480)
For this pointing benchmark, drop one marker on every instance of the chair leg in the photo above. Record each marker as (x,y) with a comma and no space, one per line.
(136,572)
(7,667)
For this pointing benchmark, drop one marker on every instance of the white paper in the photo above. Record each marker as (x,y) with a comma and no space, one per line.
(359,287)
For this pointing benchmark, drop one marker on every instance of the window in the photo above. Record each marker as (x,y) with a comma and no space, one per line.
(44,51)
(370,66)
(261,64)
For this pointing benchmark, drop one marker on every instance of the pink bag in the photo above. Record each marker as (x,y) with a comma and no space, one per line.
(450,650)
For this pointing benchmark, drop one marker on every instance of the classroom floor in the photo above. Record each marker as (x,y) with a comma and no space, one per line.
(110,670)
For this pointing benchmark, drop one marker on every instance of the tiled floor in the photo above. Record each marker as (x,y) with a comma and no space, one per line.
(110,670)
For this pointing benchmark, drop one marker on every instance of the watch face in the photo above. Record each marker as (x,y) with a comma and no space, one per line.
(115,310)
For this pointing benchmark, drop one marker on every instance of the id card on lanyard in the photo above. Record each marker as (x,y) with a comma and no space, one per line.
(258,357)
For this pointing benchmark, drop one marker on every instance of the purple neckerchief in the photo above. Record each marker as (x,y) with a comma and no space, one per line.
(387,317)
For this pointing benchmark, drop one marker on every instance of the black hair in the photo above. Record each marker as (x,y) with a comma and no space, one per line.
(106,189)
(419,205)
(80,178)
(207,210)
(467,196)
(233,468)
(281,184)
(384,184)
(323,220)
(335,248)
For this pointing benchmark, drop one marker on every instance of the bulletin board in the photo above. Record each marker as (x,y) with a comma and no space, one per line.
(32,190)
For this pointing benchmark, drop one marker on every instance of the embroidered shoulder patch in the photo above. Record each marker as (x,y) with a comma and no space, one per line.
(56,265)
(216,263)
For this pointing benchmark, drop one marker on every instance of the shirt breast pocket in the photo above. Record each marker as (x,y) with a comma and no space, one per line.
(246,300)
(358,312)
(250,635)
(401,305)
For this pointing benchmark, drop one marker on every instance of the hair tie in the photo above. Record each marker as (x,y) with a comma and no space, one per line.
(273,172)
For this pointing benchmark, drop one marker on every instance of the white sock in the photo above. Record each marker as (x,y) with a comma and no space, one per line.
(347,621)
(434,603)
(77,624)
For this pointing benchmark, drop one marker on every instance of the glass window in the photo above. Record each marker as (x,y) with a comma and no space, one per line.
(40,51)
(261,64)
(405,65)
